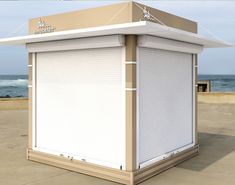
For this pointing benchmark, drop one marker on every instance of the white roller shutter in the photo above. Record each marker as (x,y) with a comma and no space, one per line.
(165,103)
(80,105)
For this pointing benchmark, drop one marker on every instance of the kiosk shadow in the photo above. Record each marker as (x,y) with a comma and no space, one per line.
(212,147)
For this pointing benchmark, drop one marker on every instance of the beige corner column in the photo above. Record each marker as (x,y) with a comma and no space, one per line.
(131,41)
(195,62)
(30,63)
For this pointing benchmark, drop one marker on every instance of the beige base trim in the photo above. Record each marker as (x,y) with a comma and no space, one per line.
(150,171)
(111,174)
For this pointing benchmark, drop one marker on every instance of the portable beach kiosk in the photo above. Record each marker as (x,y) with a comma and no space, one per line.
(112,90)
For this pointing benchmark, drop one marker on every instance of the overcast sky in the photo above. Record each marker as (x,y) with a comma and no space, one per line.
(216,16)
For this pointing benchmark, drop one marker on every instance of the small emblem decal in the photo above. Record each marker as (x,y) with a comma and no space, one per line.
(42,27)
(147,15)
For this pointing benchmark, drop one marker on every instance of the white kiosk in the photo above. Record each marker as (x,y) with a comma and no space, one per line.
(113,97)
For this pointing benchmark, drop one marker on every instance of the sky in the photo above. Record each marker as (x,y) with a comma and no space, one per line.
(216,20)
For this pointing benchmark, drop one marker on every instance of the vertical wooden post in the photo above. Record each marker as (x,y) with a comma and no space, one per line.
(130,66)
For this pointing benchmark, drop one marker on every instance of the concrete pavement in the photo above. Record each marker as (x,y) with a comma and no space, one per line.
(214,166)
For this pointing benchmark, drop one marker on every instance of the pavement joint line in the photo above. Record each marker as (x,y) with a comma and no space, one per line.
(10,128)
(46,178)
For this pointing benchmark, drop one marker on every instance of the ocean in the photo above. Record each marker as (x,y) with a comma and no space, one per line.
(13,86)
(16,85)
(220,83)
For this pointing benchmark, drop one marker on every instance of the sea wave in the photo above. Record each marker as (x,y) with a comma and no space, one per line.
(14,83)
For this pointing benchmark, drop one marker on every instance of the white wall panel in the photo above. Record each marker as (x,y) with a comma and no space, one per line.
(164,102)
(79,104)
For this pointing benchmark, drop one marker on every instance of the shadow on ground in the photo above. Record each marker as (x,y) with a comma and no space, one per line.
(213,147)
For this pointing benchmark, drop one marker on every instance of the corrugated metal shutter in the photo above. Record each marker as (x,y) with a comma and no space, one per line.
(80,104)
(164,101)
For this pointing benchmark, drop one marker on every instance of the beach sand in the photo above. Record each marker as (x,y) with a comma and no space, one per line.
(215,164)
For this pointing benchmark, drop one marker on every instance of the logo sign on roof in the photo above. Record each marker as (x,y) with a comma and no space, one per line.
(147,15)
(43,27)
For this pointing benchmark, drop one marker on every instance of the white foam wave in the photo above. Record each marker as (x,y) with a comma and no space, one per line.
(13,83)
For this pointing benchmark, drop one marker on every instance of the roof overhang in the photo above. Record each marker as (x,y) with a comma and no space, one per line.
(136,28)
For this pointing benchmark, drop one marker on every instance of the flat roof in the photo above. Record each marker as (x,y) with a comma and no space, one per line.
(136,28)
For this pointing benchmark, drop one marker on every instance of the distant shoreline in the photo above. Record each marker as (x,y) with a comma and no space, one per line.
(13,86)
(8,96)
(220,83)
(216,74)
(16,86)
